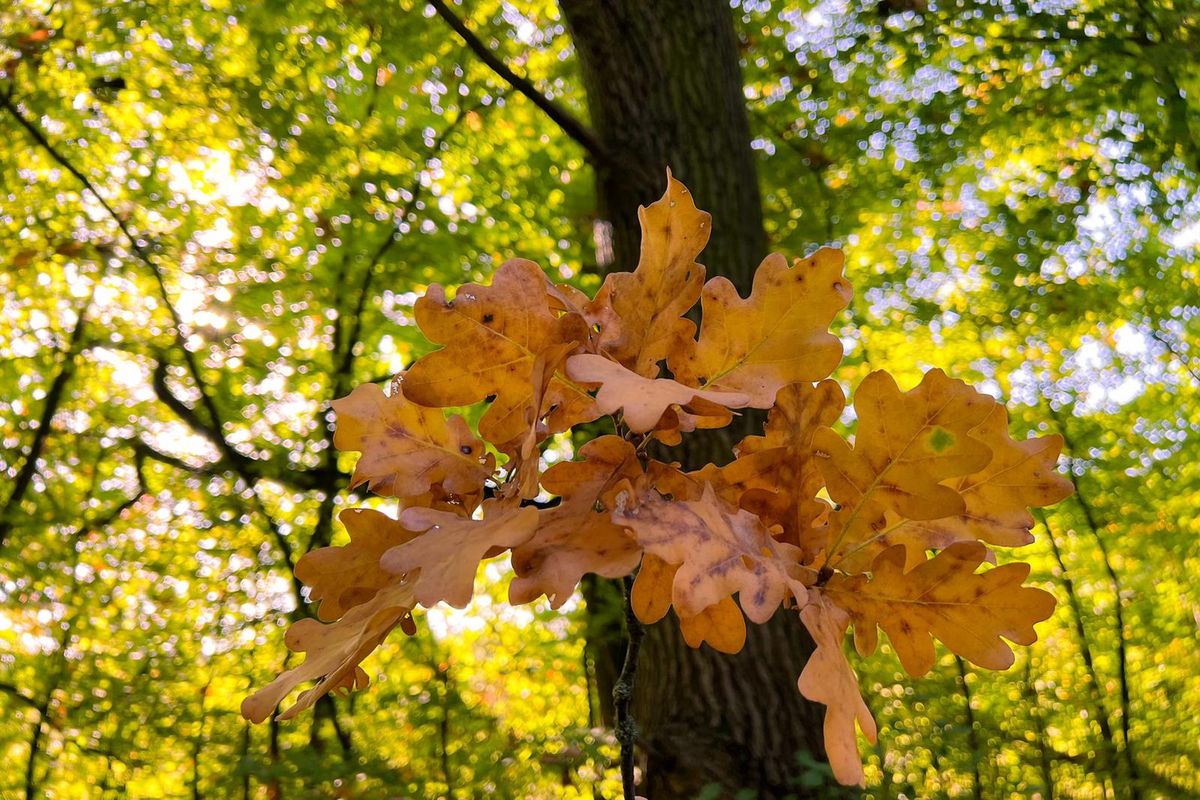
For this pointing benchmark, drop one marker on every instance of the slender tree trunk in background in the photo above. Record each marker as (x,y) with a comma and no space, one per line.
(665,89)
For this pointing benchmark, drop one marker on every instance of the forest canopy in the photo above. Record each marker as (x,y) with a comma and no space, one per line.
(216,218)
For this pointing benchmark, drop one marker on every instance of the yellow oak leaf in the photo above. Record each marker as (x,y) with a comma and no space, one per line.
(333,652)
(641,313)
(443,560)
(408,449)
(578,536)
(828,678)
(491,337)
(720,550)
(1021,474)
(906,444)
(651,593)
(343,577)
(722,625)
(642,401)
(777,336)
(943,598)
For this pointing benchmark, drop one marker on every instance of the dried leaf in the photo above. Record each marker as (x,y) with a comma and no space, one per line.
(343,577)
(784,456)
(642,401)
(906,444)
(578,536)
(491,336)
(333,652)
(828,678)
(943,598)
(777,336)
(407,449)
(720,550)
(442,562)
(721,625)
(641,312)
(998,497)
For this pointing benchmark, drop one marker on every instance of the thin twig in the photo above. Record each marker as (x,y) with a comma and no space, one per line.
(627,732)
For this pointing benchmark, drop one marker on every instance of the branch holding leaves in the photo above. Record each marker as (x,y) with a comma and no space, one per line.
(839,531)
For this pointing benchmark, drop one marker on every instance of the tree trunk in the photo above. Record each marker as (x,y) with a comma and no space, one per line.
(665,89)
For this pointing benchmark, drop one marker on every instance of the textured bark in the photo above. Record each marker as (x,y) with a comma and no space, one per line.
(665,89)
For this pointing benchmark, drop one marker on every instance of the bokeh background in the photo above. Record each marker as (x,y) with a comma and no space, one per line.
(215,216)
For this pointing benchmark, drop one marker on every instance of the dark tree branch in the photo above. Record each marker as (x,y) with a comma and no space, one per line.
(1089,516)
(1085,646)
(17,694)
(54,397)
(249,469)
(571,126)
(141,250)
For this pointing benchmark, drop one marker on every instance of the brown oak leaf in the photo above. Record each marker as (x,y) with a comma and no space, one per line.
(446,556)
(722,625)
(720,550)
(641,313)
(1021,474)
(906,444)
(333,652)
(785,457)
(343,577)
(828,678)
(578,536)
(642,401)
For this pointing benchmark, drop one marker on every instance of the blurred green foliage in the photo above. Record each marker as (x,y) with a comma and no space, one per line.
(215,216)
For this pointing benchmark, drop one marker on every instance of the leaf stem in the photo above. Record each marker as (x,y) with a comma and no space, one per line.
(627,732)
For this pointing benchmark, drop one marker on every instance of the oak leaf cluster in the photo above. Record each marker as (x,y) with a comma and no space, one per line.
(890,530)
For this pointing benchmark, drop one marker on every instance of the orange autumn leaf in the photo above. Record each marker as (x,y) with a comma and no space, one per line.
(785,456)
(340,578)
(443,560)
(905,445)
(777,336)
(578,536)
(333,652)
(641,313)
(721,625)
(651,593)
(491,337)
(719,549)
(641,401)
(408,449)
(944,599)
(1021,474)
(828,678)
